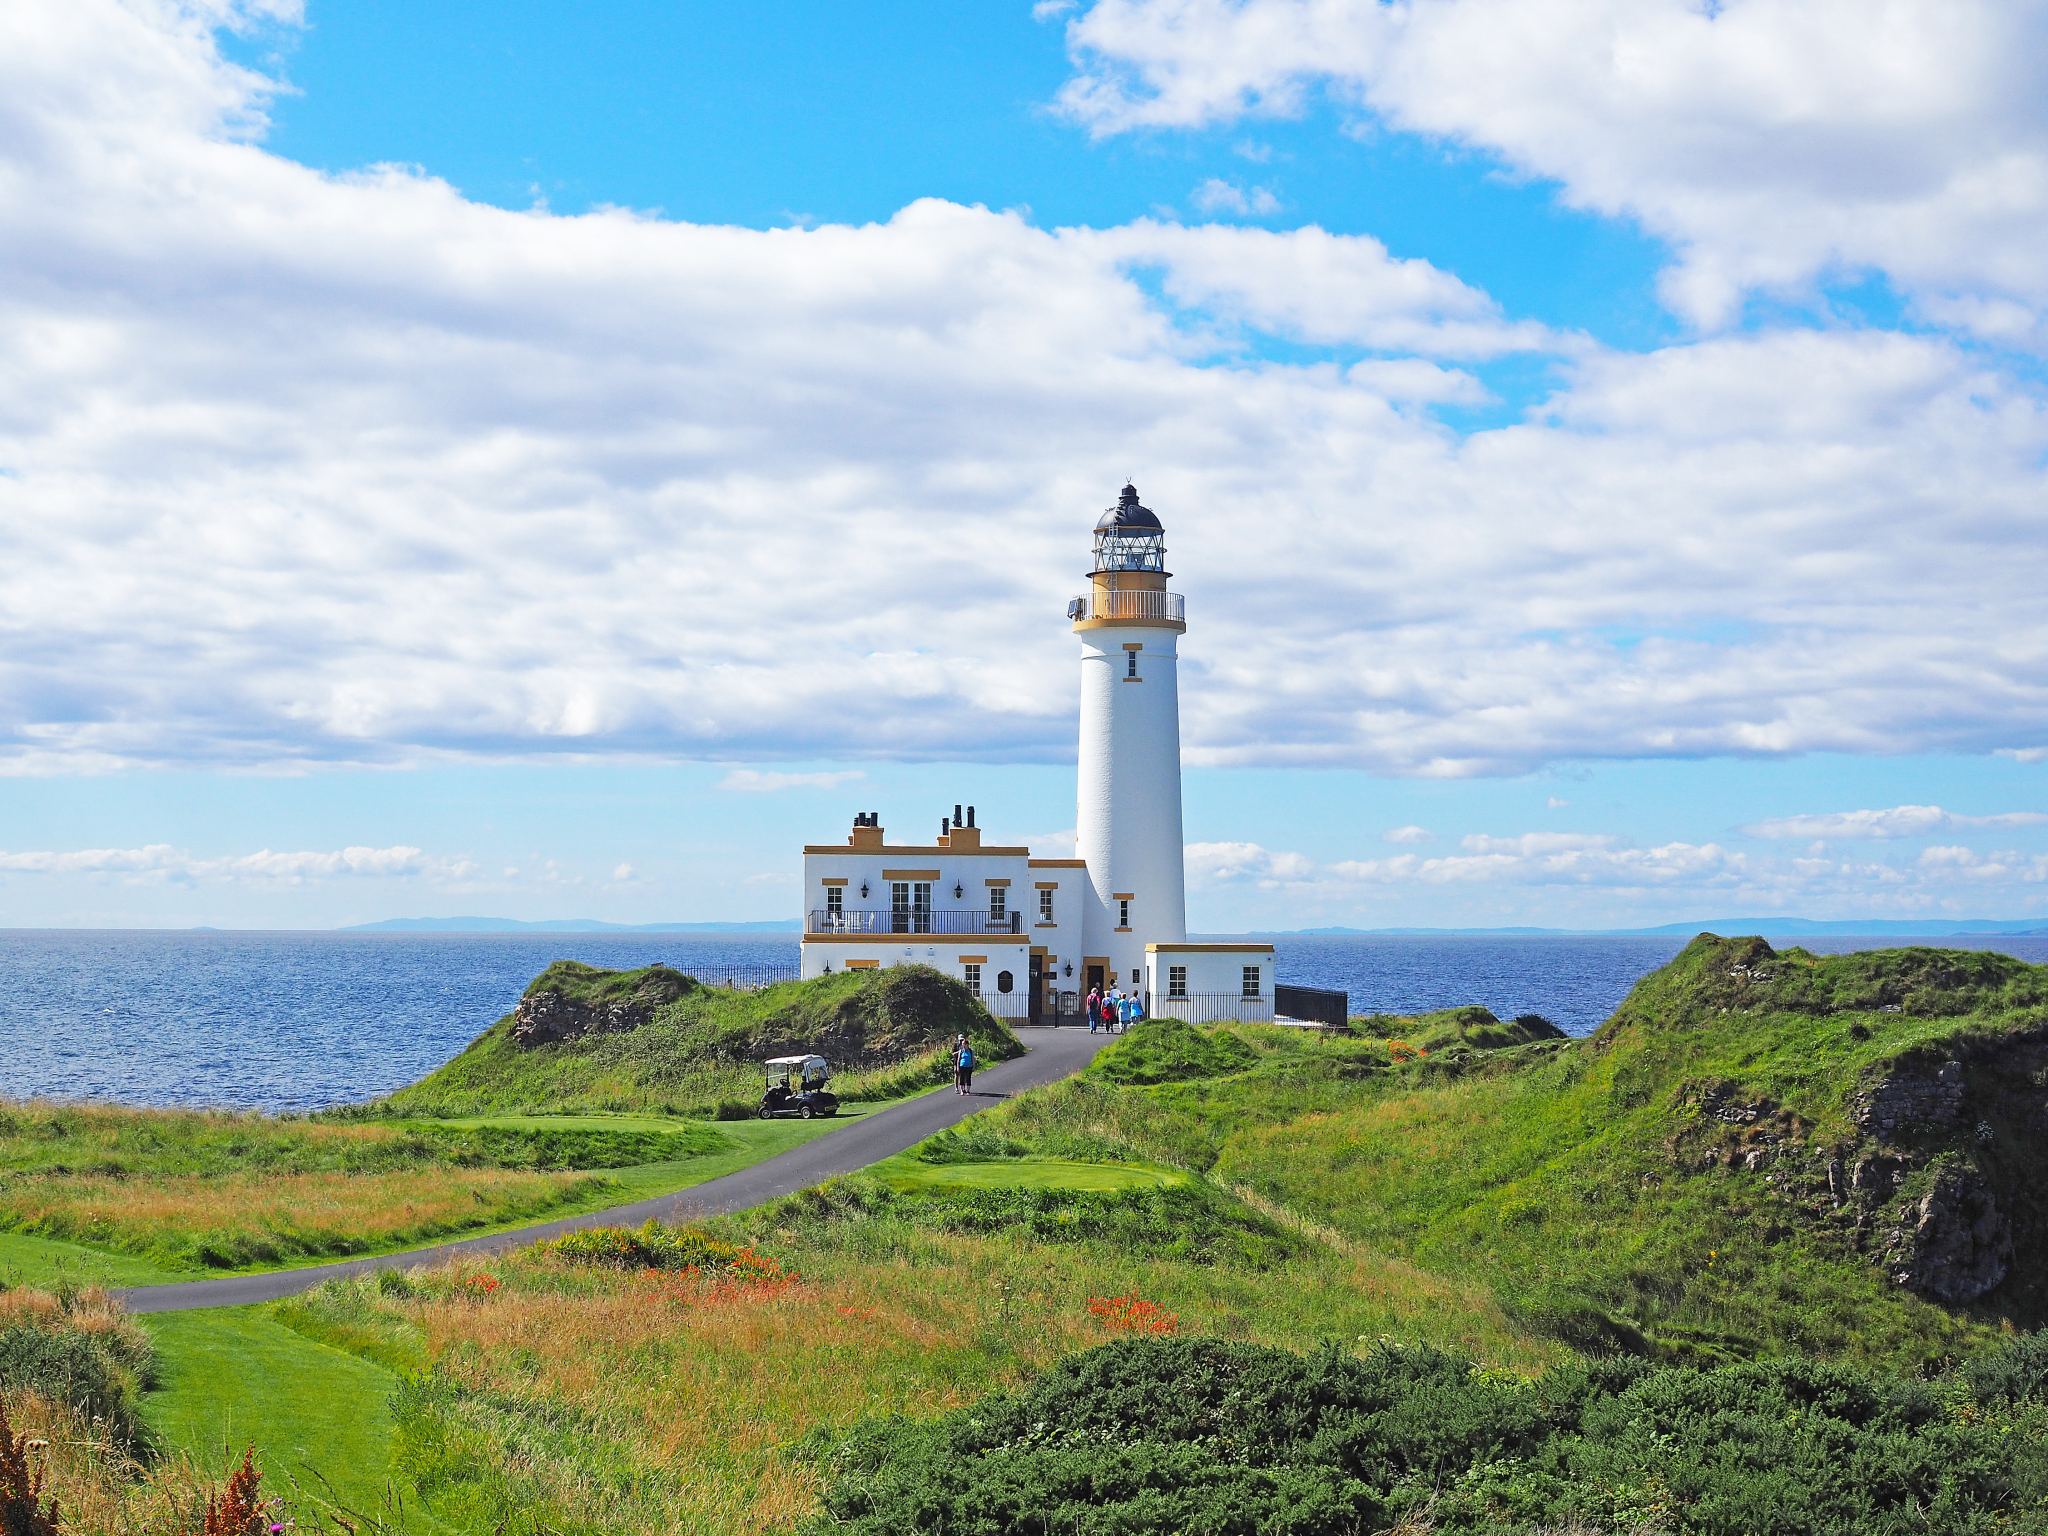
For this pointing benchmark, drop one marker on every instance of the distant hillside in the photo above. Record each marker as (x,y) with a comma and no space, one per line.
(585,1039)
(1850,927)
(561,925)
(1761,1152)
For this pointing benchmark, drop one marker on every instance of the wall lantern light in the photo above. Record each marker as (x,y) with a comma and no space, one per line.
(863,890)
(1068,970)
(958,890)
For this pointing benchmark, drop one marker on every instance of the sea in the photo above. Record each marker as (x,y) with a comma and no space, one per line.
(302,1021)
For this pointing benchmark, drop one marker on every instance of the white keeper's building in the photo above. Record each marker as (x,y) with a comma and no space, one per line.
(1028,934)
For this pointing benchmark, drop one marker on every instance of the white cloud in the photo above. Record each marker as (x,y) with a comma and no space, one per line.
(1895,821)
(1553,803)
(306,469)
(1219,196)
(1618,881)
(1768,141)
(766,781)
(622,872)
(161,861)
(1410,834)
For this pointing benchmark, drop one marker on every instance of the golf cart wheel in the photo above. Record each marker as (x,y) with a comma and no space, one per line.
(765,1112)
(806,1111)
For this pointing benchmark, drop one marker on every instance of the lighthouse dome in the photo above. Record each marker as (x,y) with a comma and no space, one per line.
(1129,515)
(1128,537)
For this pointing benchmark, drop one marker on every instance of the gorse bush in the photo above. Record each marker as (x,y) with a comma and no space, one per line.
(1205,1436)
(652,1246)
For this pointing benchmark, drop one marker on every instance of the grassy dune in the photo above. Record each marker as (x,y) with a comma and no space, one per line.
(698,1049)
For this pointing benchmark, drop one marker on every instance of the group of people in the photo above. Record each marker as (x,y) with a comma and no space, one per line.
(1113,1010)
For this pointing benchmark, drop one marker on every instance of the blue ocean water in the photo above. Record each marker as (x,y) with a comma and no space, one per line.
(293,1021)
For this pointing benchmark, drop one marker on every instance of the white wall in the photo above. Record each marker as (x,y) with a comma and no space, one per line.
(1127,810)
(1215,982)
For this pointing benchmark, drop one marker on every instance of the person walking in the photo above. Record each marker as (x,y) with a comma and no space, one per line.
(963,1066)
(1128,1011)
(1094,1008)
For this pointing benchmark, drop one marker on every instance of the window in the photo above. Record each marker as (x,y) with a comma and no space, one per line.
(970,973)
(1004,981)
(1251,981)
(1131,664)
(998,903)
(1045,906)
(910,906)
(1176,981)
(1123,912)
(835,902)
(1134,975)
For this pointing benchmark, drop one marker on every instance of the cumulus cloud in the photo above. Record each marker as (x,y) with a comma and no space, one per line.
(766,781)
(1219,196)
(305,468)
(1895,821)
(1409,834)
(1768,141)
(163,862)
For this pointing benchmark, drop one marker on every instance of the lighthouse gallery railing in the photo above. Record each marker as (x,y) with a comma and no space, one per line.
(1169,607)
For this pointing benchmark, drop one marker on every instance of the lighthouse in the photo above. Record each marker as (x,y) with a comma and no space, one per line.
(1030,936)
(1127,811)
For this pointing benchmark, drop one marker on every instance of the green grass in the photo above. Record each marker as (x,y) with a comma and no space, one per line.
(49,1264)
(907,1175)
(695,1050)
(319,1418)
(140,1252)
(1570,1177)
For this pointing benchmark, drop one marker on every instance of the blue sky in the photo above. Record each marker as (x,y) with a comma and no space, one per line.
(542,462)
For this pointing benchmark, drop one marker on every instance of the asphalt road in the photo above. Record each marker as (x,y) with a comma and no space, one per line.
(1052,1055)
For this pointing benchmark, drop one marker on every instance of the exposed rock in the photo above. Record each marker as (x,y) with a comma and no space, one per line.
(1955,1245)
(1910,1100)
(547,1017)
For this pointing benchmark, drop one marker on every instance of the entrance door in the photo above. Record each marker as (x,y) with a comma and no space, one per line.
(1095,976)
(1036,994)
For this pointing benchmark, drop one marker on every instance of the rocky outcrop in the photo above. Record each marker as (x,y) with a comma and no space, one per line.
(1925,1184)
(1954,1243)
(549,1016)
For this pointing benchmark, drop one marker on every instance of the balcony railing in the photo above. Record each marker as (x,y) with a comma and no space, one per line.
(1142,604)
(819,920)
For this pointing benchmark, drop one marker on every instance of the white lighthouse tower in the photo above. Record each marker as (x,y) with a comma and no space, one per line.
(1128,811)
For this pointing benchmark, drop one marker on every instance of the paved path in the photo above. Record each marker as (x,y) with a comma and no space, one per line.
(1053,1054)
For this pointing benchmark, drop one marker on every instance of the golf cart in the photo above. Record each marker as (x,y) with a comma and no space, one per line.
(796,1086)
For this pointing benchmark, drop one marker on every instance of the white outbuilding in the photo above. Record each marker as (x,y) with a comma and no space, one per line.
(1031,935)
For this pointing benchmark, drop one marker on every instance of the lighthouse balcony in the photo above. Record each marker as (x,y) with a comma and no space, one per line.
(916,920)
(1137,606)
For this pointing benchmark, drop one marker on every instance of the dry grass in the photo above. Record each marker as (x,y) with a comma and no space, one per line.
(99,1488)
(248,1218)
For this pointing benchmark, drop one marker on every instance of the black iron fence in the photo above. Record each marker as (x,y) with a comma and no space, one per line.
(750,977)
(1214,1008)
(1313,1005)
(827,920)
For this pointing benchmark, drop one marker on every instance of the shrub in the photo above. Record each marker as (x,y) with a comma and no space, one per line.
(80,1352)
(652,1246)
(1203,1435)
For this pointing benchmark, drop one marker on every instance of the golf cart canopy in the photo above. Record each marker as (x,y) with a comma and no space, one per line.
(805,1066)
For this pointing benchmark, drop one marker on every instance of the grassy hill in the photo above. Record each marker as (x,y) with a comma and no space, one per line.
(584,1039)
(1760,1153)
